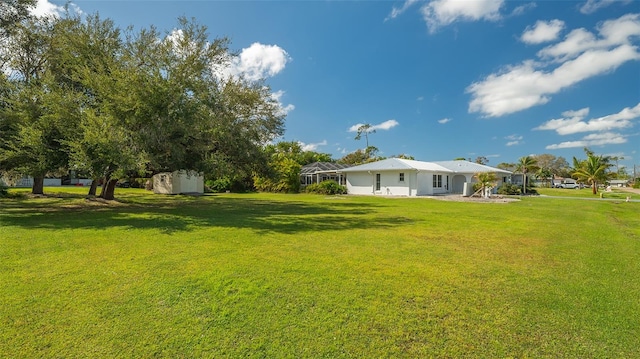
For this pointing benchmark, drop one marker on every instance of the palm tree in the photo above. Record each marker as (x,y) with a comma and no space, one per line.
(592,170)
(545,174)
(525,165)
(486,180)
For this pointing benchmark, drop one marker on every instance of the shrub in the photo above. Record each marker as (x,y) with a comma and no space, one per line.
(218,185)
(326,187)
(3,191)
(509,189)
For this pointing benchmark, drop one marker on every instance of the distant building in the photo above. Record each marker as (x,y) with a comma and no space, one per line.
(619,183)
(178,182)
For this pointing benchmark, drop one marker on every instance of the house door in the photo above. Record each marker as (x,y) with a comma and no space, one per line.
(377,181)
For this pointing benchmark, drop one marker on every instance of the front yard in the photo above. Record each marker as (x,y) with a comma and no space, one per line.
(265,275)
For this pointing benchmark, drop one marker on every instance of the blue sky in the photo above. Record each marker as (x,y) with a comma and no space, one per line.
(438,79)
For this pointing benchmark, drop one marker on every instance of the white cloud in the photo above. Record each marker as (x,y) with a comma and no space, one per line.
(257,62)
(395,11)
(386,125)
(312,146)
(514,140)
(579,57)
(542,31)
(592,6)
(612,33)
(283,110)
(523,8)
(573,121)
(439,13)
(594,139)
(444,120)
(45,8)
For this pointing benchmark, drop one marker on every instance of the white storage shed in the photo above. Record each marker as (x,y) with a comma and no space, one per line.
(178,182)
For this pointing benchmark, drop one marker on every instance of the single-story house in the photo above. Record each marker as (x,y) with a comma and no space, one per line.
(27,181)
(322,171)
(619,183)
(178,182)
(401,177)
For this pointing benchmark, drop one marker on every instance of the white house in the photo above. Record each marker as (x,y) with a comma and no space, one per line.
(27,181)
(178,182)
(400,177)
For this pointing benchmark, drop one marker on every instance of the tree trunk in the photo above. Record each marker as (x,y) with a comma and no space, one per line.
(38,185)
(594,187)
(93,188)
(108,189)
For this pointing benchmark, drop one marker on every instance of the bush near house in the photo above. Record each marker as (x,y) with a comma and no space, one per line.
(326,187)
(3,191)
(509,189)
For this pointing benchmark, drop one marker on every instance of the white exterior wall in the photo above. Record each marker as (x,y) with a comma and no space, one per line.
(188,182)
(425,184)
(163,183)
(363,183)
(390,184)
(178,182)
(424,187)
(360,183)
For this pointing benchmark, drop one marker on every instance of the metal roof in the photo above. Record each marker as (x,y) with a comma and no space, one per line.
(469,167)
(394,164)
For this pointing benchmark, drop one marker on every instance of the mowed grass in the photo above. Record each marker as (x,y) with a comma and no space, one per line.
(265,275)
(614,193)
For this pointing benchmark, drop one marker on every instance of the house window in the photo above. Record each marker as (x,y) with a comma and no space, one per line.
(437,181)
(401,177)
(377,181)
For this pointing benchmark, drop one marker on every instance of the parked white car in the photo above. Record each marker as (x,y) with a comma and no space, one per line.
(569,184)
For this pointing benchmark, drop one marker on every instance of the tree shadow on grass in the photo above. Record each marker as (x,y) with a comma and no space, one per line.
(177,214)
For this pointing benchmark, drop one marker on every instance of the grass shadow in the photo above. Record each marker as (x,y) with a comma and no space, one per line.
(176,214)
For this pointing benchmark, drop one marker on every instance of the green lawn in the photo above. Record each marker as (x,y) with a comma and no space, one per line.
(615,193)
(265,275)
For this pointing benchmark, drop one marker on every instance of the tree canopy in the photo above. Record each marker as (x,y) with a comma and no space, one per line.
(89,96)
